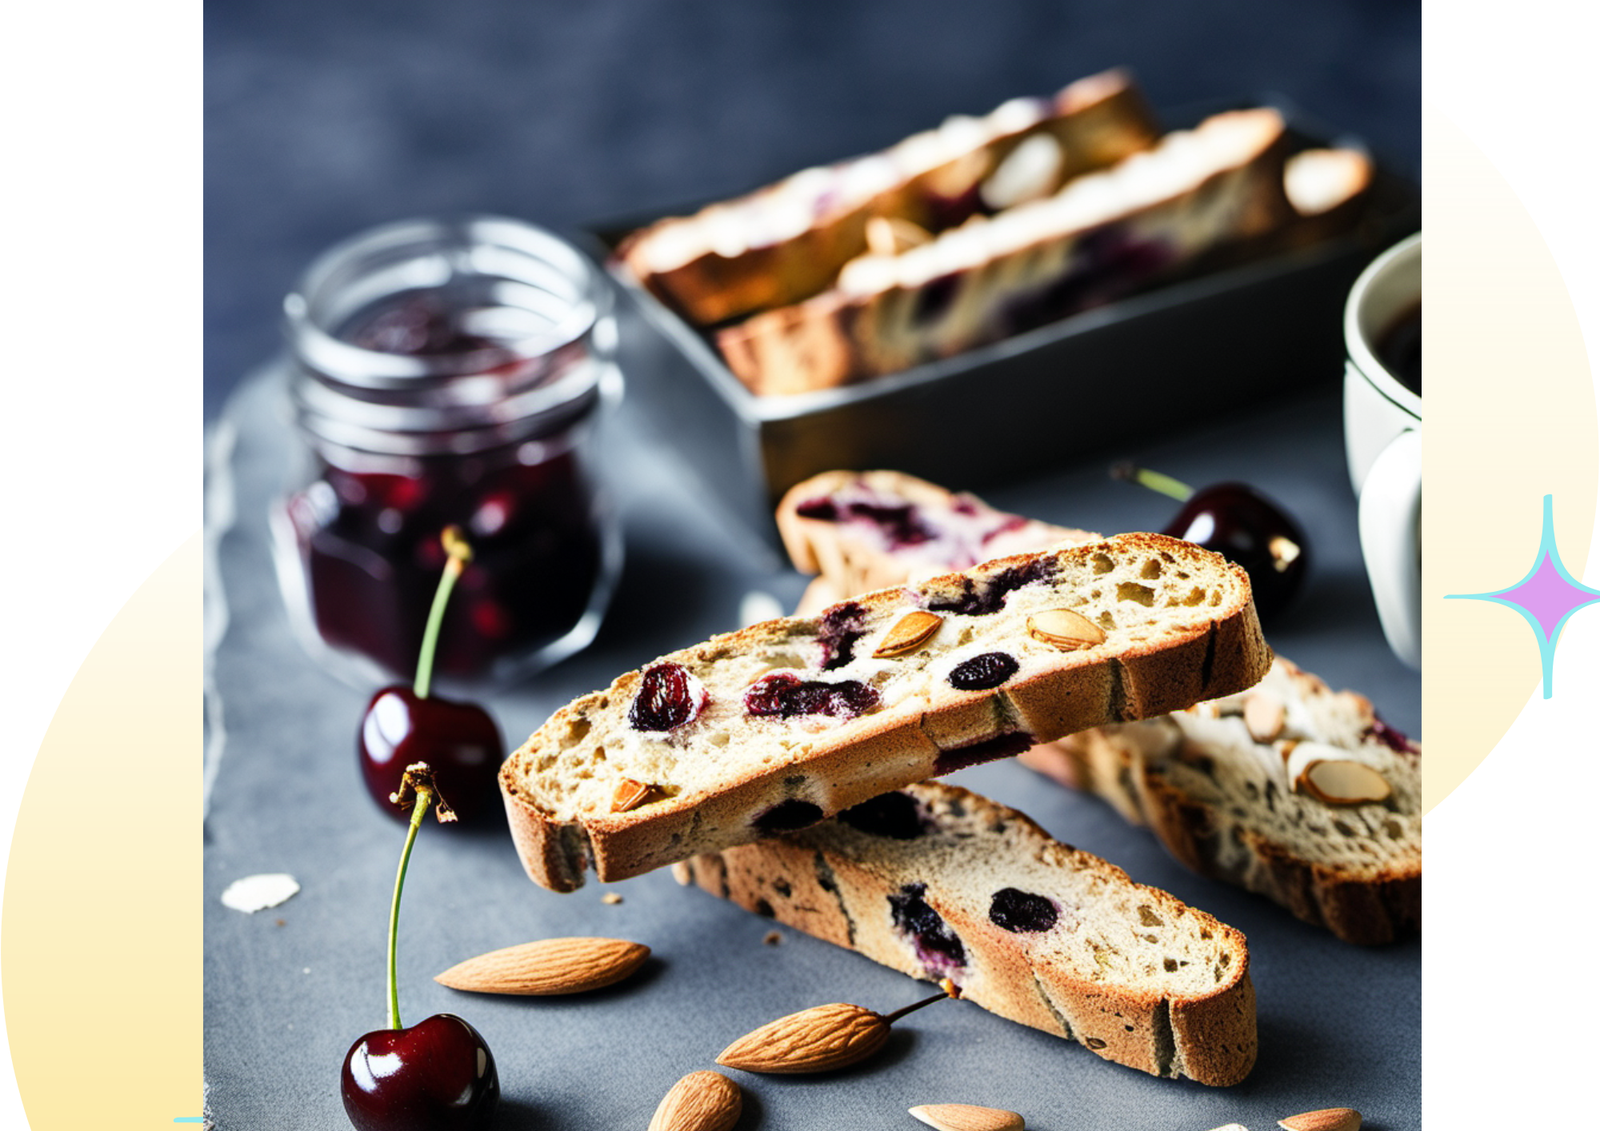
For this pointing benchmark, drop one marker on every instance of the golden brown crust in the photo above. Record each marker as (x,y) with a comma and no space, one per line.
(1096,121)
(900,744)
(812,882)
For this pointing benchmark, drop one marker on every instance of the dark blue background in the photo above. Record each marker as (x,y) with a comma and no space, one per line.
(326,116)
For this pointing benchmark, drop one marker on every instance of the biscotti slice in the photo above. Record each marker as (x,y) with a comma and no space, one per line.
(867,530)
(786,722)
(1102,236)
(1199,778)
(788,241)
(938,882)
(1293,790)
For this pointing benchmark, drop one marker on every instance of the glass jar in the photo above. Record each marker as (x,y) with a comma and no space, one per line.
(448,372)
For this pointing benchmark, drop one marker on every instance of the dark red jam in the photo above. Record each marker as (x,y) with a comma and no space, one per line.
(369,538)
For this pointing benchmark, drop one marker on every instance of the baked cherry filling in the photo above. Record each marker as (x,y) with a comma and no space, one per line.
(668,698)
(975,753)
(900,524)
(787,816)
(937,947)
(981,599)
(1020,911)
(894,815)
(990,669)
(785,695)
(1390,737)
(842,625)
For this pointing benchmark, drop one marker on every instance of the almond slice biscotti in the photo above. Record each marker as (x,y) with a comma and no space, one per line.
(1292,790)
(1103,235)
(777,726)
(936,882)
(788,241)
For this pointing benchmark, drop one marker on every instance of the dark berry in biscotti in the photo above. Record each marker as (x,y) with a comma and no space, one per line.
(1018,911)
(937,947)
(786,695)
(894,815)
(983,672)
(668,697)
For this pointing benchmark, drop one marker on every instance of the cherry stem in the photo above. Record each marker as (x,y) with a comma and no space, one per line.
(460,553)
(947,989)
(1154,480)
(424,797)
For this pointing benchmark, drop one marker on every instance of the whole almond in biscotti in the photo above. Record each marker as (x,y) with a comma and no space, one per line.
(1065,629)
(1328,1119)
(909,633)
(966,1117)
(1340,782)
(630,795)
(701,1101)
(1264,716)
(547,967)
(820,1039)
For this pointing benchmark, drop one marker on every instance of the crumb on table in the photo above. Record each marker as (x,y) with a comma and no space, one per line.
(772,938)
(611,897)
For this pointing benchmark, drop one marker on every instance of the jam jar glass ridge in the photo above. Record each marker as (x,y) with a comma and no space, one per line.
(448,372)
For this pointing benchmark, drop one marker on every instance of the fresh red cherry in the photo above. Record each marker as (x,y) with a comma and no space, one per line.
(1244,526)
(404,725)
(439,1074)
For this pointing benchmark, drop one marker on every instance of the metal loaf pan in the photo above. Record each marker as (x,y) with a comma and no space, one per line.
(1242,330)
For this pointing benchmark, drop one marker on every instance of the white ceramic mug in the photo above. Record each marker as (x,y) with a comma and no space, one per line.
(1383,442)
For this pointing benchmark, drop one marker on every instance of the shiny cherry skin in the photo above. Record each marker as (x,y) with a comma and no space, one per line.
(1249,529)
(436,1075)
(459,740)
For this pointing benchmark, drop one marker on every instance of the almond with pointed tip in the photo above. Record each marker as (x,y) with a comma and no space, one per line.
(966,1117)
(701,1101)
(819,1039)
(546,967)
(909,633)
(1264,716)
(1339,782)
(1328,1119)
(1065,629)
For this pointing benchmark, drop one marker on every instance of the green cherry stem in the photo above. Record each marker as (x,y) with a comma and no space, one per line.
(1154,480)
(459,554)
(418,782)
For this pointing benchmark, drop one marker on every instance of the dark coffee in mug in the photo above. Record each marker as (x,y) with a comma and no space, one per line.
(1400,348)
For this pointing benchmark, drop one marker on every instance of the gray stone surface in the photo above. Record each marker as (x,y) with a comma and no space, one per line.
(288,989)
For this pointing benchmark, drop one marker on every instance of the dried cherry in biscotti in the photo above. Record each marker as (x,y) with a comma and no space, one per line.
(982,672)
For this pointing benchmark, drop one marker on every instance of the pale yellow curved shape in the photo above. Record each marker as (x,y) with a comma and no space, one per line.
(101,948)
(1510,419)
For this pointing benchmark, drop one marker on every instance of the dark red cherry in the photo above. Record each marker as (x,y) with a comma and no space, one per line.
(436,1075)
(459,740)
(982,672)
(785,695)
(669,696)
(403,725)
(1244,526)
(1018,911)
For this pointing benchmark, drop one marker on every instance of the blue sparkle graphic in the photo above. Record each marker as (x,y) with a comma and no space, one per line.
(1546,598)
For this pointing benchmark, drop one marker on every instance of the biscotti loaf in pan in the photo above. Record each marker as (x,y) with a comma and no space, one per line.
(937,882)
(1103,235)
(1214,782)
(1292,790)
(786,722)
(788,241)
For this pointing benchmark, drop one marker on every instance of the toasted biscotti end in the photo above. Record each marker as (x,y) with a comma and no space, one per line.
(1230,788)
(787,241)
(866,530)
(1196,192)
(936,881)
(781,724)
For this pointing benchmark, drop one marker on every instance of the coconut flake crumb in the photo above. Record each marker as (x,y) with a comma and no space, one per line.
(257,893)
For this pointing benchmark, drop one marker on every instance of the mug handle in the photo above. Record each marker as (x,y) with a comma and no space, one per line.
(1391,525)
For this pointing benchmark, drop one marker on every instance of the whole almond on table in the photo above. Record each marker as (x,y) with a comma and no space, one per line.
(701,1101)
(819,1039)
(549,966)
(966,1117)
(1327,1119)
